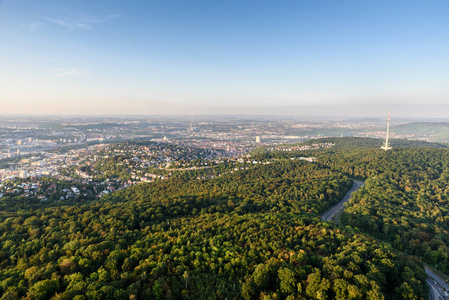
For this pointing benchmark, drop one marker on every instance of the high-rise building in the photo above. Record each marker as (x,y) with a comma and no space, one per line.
(24,174)
(258,140)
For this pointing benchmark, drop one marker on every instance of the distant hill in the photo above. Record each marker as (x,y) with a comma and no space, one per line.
(435,131)
(340,143)
(358,142)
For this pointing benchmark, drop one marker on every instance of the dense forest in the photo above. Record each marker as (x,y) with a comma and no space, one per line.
(348,143)
(404,201)
(253,234)
(345,143)
(405,198)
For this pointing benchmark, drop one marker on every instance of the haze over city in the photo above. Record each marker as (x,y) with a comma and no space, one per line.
(272,150)
(350,58)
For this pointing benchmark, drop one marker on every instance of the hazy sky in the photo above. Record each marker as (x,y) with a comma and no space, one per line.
(196,57)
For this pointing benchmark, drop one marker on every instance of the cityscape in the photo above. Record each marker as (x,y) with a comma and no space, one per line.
(48,163)
(45,146)
(38,156)
(247,150)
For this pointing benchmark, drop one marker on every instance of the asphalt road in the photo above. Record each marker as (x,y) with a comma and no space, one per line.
(433,292)
(329,214)
(437,286)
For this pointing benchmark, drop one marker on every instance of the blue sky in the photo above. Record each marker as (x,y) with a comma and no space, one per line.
(200,57)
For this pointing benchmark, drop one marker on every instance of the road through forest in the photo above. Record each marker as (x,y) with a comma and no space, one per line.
(437,285)
(330,213)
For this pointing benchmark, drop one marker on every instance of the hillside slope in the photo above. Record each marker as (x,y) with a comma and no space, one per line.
(435,131)
(252,234)
(404,201)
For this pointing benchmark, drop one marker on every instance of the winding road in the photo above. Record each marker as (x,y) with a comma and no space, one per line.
(330,213)
(437,285)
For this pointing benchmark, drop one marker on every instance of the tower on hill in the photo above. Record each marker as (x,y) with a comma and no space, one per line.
(386,145)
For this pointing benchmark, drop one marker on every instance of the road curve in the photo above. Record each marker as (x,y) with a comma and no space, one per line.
(436,290)
(437,285)
(330,213)
(433,292)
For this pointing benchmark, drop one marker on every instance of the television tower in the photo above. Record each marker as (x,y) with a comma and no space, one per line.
(386,145)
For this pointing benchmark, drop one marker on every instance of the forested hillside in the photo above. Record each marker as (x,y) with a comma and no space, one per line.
(253,234)
(405,199)
(435,131)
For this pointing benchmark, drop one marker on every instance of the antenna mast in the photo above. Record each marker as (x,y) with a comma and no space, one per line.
(386,145)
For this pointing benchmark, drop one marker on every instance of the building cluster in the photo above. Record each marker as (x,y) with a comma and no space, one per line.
(89,156)
(302,147)
(100,169)
(13,147)
(44,164)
